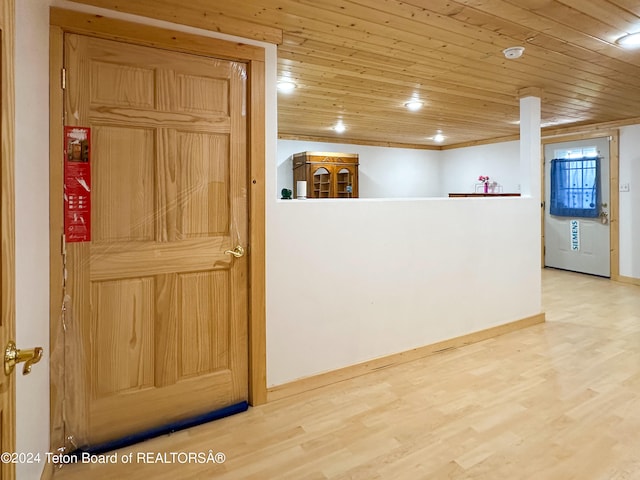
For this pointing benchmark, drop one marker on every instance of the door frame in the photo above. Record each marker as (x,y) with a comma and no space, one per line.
(614,194)
(7,218)
(66,21)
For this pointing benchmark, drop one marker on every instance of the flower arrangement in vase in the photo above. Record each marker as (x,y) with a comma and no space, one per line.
(485,180)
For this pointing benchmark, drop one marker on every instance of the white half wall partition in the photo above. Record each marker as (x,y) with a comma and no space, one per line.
(353,280)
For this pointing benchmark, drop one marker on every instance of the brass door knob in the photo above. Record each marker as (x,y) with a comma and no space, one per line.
(13,356)
(236,252)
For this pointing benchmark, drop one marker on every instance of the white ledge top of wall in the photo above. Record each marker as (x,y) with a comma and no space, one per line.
(402,199)
(482,195)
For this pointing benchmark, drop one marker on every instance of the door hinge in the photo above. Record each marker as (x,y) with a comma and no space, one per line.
(63,78)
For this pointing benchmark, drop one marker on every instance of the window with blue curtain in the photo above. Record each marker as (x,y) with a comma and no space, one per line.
(575,187)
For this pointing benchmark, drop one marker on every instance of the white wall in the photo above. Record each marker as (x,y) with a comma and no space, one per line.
(383,172)
(461,167)
(411,173)
(352,280)
(630,201)
(32,226)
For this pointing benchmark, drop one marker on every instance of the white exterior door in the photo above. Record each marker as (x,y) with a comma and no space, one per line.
(575,243)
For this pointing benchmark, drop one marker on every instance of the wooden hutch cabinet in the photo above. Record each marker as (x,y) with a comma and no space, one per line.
(328,175)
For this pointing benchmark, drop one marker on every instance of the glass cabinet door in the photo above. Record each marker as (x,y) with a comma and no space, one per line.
(321,183)
(345,184)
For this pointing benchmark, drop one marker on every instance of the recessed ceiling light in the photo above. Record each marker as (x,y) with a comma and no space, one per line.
(339,127)
(439,137)
(630,40)
(513,52)
(414,105)
(286,86)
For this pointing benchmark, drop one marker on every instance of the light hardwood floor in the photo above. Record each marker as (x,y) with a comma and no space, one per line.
(560,400)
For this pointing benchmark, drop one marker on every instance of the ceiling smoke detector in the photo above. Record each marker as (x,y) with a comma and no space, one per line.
(513,52)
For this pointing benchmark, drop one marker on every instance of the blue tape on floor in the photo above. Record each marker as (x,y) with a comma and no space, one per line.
(163,430)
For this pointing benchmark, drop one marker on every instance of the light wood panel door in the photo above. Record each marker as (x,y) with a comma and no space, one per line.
(7,250)
(161,310)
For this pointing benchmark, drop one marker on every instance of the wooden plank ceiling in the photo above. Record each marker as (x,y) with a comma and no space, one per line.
(360,61)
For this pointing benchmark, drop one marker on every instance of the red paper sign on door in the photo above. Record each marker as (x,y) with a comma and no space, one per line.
(77,184)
